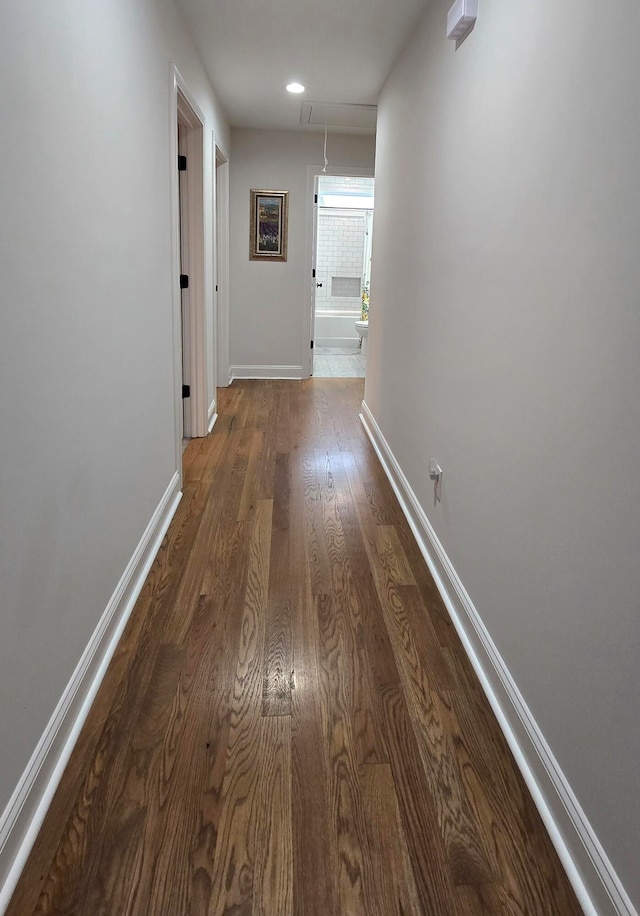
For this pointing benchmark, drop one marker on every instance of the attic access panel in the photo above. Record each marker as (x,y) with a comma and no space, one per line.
(339,115)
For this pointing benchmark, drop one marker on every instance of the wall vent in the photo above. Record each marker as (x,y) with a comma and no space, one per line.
(346,287)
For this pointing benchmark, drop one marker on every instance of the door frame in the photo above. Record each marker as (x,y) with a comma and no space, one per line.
(220,159)
(186,112)
(185,294)
(309,299)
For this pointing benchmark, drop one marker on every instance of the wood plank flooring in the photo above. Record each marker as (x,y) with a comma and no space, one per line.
(290,726)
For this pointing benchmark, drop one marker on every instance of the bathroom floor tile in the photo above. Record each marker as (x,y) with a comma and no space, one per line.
(333,362)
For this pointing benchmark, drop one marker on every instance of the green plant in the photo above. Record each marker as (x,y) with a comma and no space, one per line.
(364,311)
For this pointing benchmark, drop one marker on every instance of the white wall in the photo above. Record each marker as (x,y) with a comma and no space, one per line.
(86,358)
(270,301)
(505,341)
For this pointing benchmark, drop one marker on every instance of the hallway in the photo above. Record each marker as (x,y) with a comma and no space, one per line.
(290,724)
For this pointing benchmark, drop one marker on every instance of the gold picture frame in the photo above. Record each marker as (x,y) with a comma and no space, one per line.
(268,215)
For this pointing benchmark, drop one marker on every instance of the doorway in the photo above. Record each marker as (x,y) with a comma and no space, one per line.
(187,195)
(343,222)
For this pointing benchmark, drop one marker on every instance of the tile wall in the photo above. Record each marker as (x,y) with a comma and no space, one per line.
(341,238)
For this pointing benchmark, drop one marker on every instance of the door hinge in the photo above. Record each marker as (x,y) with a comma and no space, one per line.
(313,273)
(311,344)
(216,287)
(184,281)
(315,198)
(182,163)
(186,391)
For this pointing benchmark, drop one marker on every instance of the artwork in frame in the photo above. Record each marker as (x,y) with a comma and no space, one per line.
(268,232)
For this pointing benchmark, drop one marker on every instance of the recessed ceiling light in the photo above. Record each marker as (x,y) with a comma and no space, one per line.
(295,87)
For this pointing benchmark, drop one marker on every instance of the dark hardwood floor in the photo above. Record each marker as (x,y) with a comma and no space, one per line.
(290,724)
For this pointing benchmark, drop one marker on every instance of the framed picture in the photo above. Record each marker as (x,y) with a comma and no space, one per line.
(268,225)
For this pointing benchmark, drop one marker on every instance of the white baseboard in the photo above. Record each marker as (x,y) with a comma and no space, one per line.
(23,816)
(266,372)
(212,416)
(592,875)
(353,343)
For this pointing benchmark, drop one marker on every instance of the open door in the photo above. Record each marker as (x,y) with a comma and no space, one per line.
(188,218)
(185,315)
(315,282)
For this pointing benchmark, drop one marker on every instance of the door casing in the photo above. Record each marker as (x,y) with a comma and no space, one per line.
(186,114)
(221,259)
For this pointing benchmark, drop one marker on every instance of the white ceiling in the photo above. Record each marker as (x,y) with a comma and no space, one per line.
(341,50)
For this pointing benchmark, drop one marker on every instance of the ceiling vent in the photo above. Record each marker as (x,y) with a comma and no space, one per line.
(339,115)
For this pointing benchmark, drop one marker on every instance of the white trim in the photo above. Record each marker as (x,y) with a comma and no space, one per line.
(23,816)
(212,416)
(221,255)
(294,372)
(592,875)
(196,232)
(176,330)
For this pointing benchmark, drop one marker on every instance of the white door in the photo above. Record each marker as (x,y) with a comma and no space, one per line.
(368,239)
(315,281)
(185,314)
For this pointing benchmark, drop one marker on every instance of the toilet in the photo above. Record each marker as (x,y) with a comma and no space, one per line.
(362,327)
